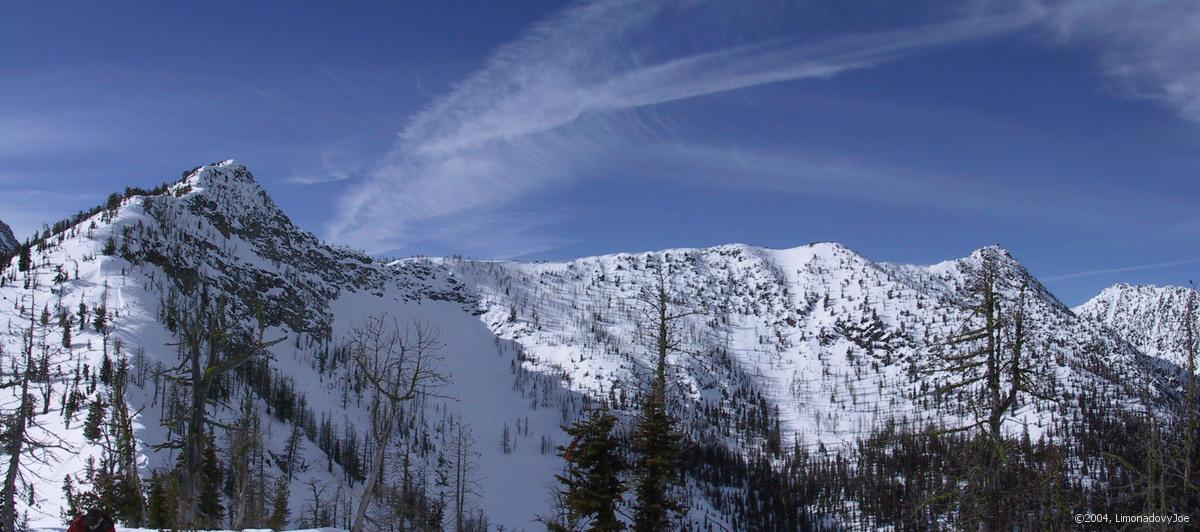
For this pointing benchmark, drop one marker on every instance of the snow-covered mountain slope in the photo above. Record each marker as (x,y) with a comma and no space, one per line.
(804,348)
(1152,318)
(8,242)
(818,339)
(147,258)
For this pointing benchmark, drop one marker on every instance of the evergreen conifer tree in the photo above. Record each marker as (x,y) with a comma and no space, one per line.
(106,369)
(25,261)
(163,501)
(127,503)
(95,417)
(592,481)
(209,508)
(657,445)
(100,319)
(64,319)
(72,509)
(279,504)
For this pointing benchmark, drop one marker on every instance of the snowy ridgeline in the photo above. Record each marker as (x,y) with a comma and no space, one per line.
(834,344)
(1149,317)
(808,349)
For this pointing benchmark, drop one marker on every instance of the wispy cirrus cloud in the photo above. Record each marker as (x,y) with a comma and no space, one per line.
(570,96)
(335,162)
(564,98)
(314,179)
(1152,49)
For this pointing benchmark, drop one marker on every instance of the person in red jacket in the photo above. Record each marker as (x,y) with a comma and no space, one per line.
(94,521)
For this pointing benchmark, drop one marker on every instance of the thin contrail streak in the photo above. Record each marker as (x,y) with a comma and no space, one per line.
(1090,273)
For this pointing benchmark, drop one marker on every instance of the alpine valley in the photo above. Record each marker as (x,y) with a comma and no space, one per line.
(812,388)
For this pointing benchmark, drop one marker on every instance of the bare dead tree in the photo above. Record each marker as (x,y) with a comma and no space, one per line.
(210,351)
(1192,427)
(655,440)
(988,363)
(1183,455)
(399,364)
(24,439)
(318,494)
(464,462)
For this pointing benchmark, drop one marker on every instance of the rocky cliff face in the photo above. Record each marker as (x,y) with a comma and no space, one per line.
(8,242)
(217,228)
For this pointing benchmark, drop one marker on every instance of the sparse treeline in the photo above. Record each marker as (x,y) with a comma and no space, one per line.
(388,369)
(28,373)
(1102,455)
(226,474)
(1108,459)
(67,227)
(658,461)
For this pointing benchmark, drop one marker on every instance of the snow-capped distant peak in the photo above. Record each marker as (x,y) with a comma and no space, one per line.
(1152,318)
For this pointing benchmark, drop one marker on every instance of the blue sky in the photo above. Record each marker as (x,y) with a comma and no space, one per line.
(1066,131)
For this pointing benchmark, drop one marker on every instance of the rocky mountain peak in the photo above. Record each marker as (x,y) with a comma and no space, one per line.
(218,228)
(227,193)
(8,242)
(218,173)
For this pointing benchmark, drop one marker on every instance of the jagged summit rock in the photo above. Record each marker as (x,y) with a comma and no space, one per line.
(228,193)
(8,242)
